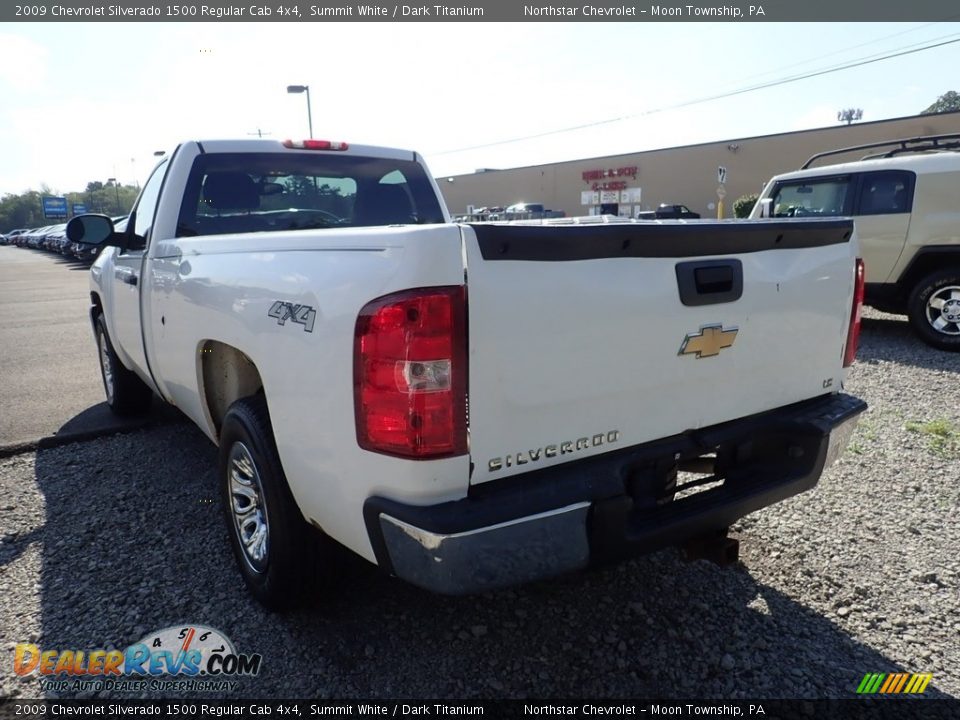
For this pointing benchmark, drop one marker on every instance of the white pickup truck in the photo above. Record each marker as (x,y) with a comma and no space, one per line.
(467,406)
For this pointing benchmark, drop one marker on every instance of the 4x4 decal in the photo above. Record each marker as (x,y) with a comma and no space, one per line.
(300,314)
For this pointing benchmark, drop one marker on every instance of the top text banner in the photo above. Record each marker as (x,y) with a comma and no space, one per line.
(484,11)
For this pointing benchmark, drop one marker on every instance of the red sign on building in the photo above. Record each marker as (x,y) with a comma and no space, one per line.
(598,179)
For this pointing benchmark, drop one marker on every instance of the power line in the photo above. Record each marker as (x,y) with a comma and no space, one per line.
(815,73)
(783,68)
(709,98)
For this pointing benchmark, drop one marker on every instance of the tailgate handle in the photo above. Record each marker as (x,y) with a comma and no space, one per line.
(709,282)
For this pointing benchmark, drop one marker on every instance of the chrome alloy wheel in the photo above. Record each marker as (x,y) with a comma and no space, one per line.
(943,310)
(248,507)
(106,367)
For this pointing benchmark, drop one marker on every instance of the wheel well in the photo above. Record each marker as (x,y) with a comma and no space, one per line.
(925,264)
(96,307)
(228,375)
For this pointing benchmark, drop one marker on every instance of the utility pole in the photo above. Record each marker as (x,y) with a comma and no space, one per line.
(116,191)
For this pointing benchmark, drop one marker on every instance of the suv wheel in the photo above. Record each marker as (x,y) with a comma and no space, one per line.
(934,309)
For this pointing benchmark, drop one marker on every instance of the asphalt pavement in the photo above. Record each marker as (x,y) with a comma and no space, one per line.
(50,387)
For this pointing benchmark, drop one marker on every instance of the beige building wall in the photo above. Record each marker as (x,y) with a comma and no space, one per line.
(684,175)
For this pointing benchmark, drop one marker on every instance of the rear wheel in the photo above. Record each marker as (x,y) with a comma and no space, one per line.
(126,393)
(934,309)
(276,550)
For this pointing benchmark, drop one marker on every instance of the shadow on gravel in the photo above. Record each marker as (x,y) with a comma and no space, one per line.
(99,420)
(134,542)
(95,422)
(890,339)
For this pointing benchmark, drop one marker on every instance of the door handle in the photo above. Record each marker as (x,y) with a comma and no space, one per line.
(130,279)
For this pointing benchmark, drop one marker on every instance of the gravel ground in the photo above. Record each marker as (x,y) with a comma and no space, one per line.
(107,540)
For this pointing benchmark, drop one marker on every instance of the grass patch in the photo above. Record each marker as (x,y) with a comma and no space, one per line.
(866,434)
(942,436)
(868,430)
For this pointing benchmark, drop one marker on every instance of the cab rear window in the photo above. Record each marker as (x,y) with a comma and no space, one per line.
(263,192)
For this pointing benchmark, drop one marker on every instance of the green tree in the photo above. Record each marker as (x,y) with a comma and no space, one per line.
(743,205)
(948,102)
(26,209)
(23,210)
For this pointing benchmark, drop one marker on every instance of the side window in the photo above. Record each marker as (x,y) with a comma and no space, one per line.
(821,197)
(885,193)
(145,208)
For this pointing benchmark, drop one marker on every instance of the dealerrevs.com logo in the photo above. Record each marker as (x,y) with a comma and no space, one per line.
(192,657)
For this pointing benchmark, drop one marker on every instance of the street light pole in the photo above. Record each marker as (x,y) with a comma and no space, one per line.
(295,89)
(116,191)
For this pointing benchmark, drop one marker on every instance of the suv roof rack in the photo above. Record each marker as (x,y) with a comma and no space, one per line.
(921,144)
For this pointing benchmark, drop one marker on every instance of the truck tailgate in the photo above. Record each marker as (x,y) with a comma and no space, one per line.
(586,339)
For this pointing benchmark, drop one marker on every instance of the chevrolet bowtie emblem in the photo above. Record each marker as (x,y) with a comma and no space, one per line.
(708,342)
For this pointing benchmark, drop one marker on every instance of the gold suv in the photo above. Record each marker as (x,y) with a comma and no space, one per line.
(905,200)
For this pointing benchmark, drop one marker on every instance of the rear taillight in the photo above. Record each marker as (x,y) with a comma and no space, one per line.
(410,373)
(853,332)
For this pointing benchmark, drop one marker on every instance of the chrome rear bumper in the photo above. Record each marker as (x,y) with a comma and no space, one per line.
(559,519)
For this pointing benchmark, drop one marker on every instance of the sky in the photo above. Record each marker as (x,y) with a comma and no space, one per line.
(84,102)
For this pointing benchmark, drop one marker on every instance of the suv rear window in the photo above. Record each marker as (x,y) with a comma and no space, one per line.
(825,197)
(261,192)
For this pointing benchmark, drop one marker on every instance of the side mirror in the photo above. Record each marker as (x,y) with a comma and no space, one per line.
(92,230)
(765,206)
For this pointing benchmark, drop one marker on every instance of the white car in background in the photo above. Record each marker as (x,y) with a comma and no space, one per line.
(905,199)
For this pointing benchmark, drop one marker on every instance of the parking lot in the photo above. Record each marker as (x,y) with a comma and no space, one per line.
(106,540)
(50,388)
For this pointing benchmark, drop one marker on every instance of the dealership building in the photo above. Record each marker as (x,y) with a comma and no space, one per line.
(690,175)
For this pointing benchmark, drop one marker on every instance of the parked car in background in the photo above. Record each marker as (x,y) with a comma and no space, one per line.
(480,214)
(667,211)
(14,234)
(525,208)
(56,238)
(24,239)
(529,211)
(905,199)
(48,241)
(33,238)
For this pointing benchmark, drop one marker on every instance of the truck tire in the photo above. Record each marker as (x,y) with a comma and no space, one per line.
(276,550)
(934,309)
(126,393)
